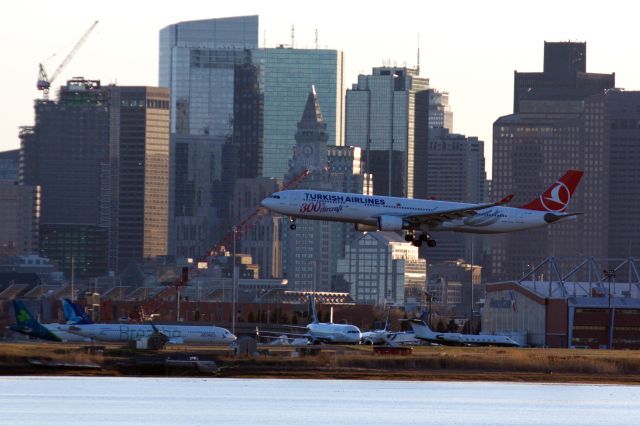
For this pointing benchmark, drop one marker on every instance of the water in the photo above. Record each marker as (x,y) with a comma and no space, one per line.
(84,401)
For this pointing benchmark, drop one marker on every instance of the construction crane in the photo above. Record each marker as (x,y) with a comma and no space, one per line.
(151,306)
(44,81)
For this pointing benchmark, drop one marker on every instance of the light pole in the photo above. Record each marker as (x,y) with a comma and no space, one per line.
(610,274)
(233,284)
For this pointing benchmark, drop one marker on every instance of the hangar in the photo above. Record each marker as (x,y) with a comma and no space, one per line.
(589,307)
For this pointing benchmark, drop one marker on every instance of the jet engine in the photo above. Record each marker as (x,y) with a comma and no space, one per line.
(361,227)
(391,223)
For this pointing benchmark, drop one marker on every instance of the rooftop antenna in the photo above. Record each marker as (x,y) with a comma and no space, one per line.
(418,56)
(316,39)
(293,35)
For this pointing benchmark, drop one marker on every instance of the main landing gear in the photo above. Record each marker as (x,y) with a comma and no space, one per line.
(422,237)
(292,223)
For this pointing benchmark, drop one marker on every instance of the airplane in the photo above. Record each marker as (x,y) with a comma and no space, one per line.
(423,332)
(377,337)
(421,217)
(26,323)
(328,331)
(391,338)
(324,332)
(74,313)
(176,334)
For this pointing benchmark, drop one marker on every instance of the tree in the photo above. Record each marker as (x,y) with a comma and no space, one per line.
(452,326)
(440,327)
(251,317)
(294,320)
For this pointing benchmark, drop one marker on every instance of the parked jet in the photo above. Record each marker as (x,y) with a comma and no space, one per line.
(176,334)
(26,323)
(421,217)
(423,332)
(386,337)
(74,313)
(324,332)
(330,332)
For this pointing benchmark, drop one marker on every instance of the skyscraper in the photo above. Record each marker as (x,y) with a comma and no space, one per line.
(67,154)
(454,170)
(558,124)
(286,74)
(100,155)
(216,123)
(197,62)
(623,121)
(381,119)
(140,169)
(565,76)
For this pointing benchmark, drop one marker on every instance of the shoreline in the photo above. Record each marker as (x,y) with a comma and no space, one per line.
(490,364)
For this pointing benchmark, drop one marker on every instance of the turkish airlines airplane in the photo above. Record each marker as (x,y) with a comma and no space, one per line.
(421,217)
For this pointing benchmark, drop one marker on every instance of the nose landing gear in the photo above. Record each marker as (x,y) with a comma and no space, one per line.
(292,223)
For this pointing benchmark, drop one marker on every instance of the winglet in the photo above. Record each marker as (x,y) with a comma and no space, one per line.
(506,199)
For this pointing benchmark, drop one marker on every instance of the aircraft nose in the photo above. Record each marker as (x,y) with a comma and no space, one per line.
(232,337)
(267,202)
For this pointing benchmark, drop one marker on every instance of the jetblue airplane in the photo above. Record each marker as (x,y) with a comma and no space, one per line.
(423,332)
(74,313)
(176,334)
(420,217)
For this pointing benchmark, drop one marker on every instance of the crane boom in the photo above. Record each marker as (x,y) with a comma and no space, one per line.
(44,82)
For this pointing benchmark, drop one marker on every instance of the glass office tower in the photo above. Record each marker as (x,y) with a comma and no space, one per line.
(197,61)
(286,77)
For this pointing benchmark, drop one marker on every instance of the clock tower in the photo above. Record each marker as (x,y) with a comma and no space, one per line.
(310,151)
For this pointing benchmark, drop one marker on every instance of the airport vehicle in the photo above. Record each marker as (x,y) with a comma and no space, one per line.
(421,217)
(423,332)
(176,334)
(26,323)
(323,332)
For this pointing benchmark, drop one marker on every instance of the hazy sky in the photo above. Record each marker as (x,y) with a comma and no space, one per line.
(468,48)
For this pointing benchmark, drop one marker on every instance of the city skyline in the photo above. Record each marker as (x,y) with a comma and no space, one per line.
(472,55)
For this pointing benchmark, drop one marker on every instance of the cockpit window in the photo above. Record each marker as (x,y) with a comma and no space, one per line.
(275,196)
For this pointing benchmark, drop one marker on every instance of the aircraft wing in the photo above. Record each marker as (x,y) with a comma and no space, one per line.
(437,217)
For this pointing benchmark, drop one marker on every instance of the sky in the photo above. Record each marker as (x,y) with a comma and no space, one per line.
(469,49)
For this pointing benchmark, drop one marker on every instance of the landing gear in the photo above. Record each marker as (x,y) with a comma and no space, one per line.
(421,238)
(292,223)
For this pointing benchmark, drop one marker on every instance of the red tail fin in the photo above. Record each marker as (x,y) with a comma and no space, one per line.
(557,197)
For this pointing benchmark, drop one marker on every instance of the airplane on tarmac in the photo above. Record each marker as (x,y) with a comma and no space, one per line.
(325,332)
(176,334)
(74,313)
(421,217)
(26,323)
(391,338)
(423,332)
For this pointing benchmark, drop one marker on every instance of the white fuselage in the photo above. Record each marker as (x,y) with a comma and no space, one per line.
(61,330)
(367,210)
(456,339)
(175,333)
(334,333)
